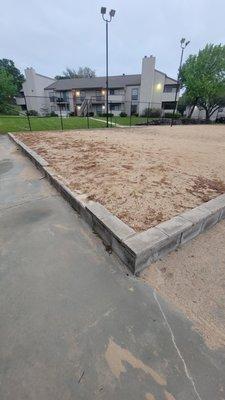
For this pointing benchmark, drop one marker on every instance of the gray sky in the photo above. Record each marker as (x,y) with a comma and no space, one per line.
(50,35)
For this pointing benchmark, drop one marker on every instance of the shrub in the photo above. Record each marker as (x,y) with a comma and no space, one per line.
(145,112)
(91,114)
(220,120)
(155,113)
(105,115)
(161,121)
(32,113)
(170,115)
(53,114)
(194,121)
(151,113)
(11,109)
(123,114)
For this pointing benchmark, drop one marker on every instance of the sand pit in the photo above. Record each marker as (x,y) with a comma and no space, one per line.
(193,279)
(142,175)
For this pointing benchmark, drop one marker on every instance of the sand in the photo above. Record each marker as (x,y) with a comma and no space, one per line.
(193,279)
(143,175)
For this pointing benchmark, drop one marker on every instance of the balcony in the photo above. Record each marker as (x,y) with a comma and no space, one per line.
(61,100)
(20,101)
(79,99)
(116,98)
(98,99)
(169,96)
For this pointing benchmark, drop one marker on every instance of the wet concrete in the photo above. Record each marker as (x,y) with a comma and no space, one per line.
(73,323)
(5,166)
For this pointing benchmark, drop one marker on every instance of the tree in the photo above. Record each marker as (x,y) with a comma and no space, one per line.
(203,77)
(85,72)
(70,73)
(9,67)
(186,103)
(58,77)
(8,90)
(82,72)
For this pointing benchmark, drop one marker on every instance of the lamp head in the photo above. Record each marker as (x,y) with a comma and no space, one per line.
(103,10)
(112,13)
(184,43)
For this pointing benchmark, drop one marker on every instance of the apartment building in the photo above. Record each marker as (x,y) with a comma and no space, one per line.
(127,93)
(32,95)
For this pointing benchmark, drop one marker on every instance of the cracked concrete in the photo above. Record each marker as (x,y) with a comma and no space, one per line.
(66,304)
(176,347)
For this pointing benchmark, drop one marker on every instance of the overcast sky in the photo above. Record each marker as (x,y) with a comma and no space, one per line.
(50,35)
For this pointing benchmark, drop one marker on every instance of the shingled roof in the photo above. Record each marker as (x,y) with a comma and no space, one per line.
(96,82)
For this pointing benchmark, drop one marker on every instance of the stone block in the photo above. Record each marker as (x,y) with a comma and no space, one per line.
(141,241)
(215,205)
(124,253)
(175,226)
(211,220)
(196,215)
(191,232)
(151,245)
(117,227)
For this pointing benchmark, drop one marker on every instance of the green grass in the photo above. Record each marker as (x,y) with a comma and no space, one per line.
(19,124)
(126,121)
(11,123)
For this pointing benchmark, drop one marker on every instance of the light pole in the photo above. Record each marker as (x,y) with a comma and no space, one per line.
(111,15)
(183,44)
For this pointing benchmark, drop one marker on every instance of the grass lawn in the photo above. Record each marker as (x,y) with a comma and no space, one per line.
(19,124)
(126,121)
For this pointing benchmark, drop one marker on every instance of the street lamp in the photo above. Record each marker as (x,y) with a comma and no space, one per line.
(107,20)
(183,44)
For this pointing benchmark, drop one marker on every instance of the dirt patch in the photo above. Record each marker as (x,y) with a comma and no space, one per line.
(117,358)
(143,175)
(205,187)
(193,279)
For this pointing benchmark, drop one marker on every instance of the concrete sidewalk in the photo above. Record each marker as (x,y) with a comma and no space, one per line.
(73,323)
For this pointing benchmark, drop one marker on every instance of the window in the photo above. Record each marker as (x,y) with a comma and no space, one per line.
(115,107)
(169,88)
(98,109)
(52,97)
(64,96)
(98,95)
(61,97)
(133,109)
(116,91)
(82,95)
(168,105)
(134,94)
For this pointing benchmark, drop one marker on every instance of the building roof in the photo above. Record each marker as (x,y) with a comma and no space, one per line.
(167,77)
(96,82)
(44,76)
